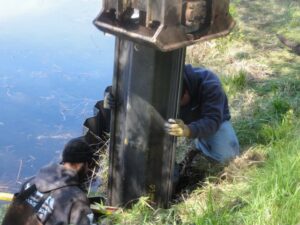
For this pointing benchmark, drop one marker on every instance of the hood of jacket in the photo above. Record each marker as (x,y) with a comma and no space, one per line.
(55,176)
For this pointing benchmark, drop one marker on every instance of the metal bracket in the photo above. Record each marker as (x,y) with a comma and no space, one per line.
(166,25)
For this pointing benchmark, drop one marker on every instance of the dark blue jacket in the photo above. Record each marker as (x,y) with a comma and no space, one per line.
(69,203)
(209,105)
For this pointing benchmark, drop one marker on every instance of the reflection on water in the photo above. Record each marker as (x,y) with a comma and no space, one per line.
(54,66)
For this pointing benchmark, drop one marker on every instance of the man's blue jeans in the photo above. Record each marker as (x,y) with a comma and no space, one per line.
(222,146)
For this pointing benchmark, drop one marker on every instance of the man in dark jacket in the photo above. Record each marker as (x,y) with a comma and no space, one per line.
(97,128)
(205,116)
(55,196)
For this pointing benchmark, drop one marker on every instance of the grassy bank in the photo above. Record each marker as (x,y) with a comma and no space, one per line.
(262,79)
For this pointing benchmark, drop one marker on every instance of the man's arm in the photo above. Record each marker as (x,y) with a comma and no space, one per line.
(211,111)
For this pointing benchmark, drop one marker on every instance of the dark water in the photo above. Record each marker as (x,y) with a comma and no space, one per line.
(54,66)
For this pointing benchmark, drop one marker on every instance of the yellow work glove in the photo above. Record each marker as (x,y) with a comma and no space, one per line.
(176,127)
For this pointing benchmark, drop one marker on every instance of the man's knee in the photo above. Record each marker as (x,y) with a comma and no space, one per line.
(230,152)
(220,152)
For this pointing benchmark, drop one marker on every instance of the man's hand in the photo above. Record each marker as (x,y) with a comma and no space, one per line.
(176,127)
(109,101)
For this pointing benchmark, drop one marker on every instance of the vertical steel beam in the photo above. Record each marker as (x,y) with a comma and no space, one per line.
(147,87)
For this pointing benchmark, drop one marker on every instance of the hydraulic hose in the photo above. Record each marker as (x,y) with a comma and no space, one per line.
(6,196)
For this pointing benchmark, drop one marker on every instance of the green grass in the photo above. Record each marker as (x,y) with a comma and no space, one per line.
(270,196)
(265,194)
(262,80)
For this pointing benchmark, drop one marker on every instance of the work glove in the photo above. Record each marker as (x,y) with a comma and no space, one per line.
(109,101)
(176,127)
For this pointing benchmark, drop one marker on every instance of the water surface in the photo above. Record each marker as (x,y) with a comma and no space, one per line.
(54,66)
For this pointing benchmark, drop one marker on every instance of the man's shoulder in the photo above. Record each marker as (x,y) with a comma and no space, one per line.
(26,184)
(72,189)
(70,194)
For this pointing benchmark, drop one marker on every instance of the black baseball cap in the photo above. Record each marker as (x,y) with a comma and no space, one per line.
(77,150)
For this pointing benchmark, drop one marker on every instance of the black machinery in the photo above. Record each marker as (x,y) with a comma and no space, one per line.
(151,36)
